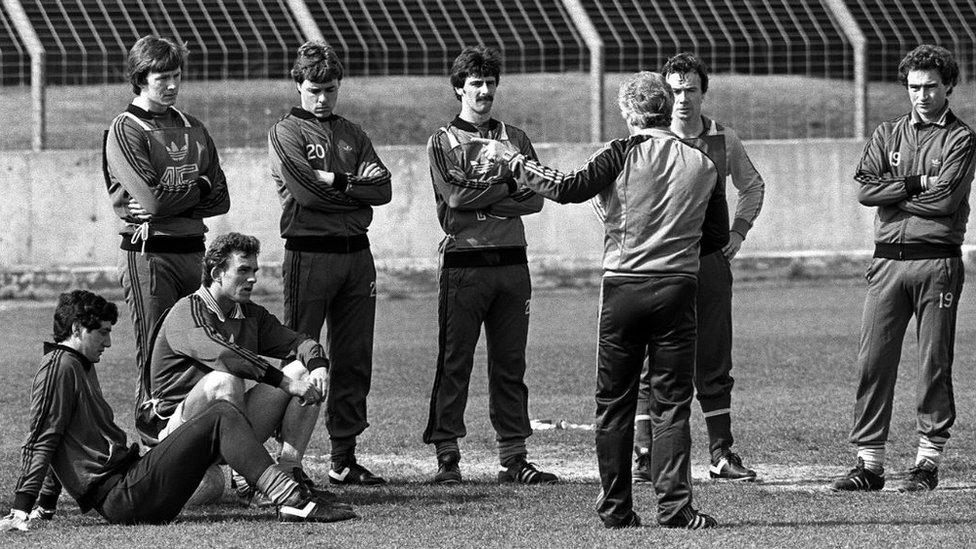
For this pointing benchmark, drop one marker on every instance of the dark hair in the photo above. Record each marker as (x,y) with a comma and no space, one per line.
(929,57)
(153,54)
(223,247)
(316,62)
(475,61)
(84,307)
(685,62)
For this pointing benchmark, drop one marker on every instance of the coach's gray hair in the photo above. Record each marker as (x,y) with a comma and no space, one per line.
(645,100)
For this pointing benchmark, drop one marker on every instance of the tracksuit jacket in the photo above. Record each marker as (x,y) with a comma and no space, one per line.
(913,222)
(646,234)
(72,434)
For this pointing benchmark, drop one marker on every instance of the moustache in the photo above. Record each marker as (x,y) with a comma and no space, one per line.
(486,98)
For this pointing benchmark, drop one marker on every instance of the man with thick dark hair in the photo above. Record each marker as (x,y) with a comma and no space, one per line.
(329,177)
(660,202)
(73,439)
(213,340)
(484,276)
(917,170)
(688,78)
(164,178)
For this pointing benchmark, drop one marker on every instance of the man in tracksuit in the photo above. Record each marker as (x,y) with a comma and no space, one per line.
(164,178)
(917,170)
(74,443)
(329,178)
(688,78)
(484,276)
(660,200)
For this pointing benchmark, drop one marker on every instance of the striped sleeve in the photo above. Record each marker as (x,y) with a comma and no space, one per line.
(132,174)
(523,201)
(454,187)
(217,201)
(290,167)
(279,341)
(876,184)
(747,181)
(53,400)
(197,338)
(374,190)
(586,182)
(947,191)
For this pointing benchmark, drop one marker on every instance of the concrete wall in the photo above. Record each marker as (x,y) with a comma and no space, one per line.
(55,210)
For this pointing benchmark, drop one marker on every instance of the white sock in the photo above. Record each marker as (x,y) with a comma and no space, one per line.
(930,450)
(873,457)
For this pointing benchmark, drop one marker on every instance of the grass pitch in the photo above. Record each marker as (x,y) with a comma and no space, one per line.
(794,349)
(405,110)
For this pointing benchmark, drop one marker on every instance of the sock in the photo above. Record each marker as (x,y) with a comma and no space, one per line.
(511,452)
(719,425)
(931,450)
(285,465)
(873,457)
(280,489)
(343,450)
(446,447)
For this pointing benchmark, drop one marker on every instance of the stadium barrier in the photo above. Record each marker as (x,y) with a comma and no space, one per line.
(56,223)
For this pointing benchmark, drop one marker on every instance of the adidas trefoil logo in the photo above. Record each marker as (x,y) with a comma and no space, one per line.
(178,154)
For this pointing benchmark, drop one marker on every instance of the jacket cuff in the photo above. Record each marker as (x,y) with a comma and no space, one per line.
(741,226)
(204,186)
(316,363)
(340,181)
(272,376)
(48,501)
(913,185)
(24,501)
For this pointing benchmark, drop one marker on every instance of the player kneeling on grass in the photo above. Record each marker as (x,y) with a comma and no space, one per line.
(213,340)
(917,169)
(74,442)
(660,200)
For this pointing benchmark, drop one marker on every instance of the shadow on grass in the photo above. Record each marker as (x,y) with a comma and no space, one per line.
(847,523)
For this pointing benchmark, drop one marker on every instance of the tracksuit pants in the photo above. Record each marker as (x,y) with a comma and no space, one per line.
(152,283)
(155,487)
(713,360)
(641,315)
(497,297)
(338,290)
(929,289)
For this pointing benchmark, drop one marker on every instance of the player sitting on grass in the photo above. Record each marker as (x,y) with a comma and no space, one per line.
(73,440)
(213,340)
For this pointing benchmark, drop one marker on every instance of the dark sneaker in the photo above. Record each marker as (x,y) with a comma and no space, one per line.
(729,467)
(351,472)
(690,519)
(448,470)
(642,473)
(921,478)
(859,479)
(317,494)
(310,511)
(524,472)
(633,521)
(246,494)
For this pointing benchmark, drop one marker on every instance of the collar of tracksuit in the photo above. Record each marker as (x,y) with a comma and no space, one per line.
(48,347)
(211,303)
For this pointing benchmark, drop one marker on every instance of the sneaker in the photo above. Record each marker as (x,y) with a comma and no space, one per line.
(859,479)
(729,467)
(642,473)
(246,494)
(690,519)
(351,472)
(633,521)
(923,477)
(317,494)
(524,472)
(311,511)
(448,470)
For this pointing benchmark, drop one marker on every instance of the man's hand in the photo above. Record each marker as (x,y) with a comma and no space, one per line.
(40,513)
(370,170)
(732,248)
(137,211)
(319,377)
(303,389)
(494,151)
(15,521)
